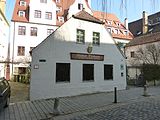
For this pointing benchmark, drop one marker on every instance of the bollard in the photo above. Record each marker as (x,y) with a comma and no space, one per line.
(145,91)
(115,94)
(56,104)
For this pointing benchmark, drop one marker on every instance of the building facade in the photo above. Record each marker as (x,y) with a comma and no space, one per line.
(32,22)
(4,40)
(76,59)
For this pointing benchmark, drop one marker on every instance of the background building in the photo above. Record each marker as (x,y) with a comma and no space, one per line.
(4,40)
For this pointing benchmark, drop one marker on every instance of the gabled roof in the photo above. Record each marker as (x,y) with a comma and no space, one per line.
(145,39)
(83,15)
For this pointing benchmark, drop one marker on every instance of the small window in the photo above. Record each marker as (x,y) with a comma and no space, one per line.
(80,6)
(88,72)
(125,33)
(116,31)
(37,14)
(21,13)
(132,54)
(96,38)
(49,31)
(48,15)
(43,1)
(60,19)
(108,72)
(109,22)
(62,72)
(21,30)
(22,70)
(33,31)
(80,36)
(59,9)
(21,51)
(109,30)
(22,3)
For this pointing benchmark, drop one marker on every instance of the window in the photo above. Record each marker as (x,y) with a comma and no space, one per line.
(116,31)
(80,6)
(59,9)
(37,14)
(21,13)
(126,33)
(60,19)
(21,50)
(109,29)
(48,15)
(109,22)
(22,70)
(108,72)
(22,3)
(88,72)
(80,36)
(43,1)
(21,30)
(33,31)
(132,54)
(62,72)
(96,38)
(49,31)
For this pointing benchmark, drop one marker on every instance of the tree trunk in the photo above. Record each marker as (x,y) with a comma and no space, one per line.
(154,82)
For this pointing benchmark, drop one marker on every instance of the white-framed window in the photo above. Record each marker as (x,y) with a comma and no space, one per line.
(60,19)
(33,31)
(80,6)
(43,1)
(80,36)
(58,9)
(37,14)
(96,38)
(21,13)
(22,3)
(48,15)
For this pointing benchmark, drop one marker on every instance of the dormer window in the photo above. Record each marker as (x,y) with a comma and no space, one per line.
(109,30)
(125,33)
(21,13)
(80,6)
(59,9)
(22,3)
(60,19)
(109,22)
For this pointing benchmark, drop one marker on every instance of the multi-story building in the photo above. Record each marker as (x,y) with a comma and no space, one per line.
(4,33)
(34,20)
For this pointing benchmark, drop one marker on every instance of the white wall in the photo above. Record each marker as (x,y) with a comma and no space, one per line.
(26,40)
(50,6)
(57,49)
(74,8)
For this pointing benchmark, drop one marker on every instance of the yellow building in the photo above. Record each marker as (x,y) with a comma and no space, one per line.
(4,37)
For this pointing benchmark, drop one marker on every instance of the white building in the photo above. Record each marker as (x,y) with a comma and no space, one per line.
(79,57)
(4,39)
(32,22)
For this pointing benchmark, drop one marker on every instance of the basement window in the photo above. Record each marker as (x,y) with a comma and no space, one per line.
(62,72)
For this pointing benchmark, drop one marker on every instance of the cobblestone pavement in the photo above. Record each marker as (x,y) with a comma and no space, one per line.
(143,109)
(19,92)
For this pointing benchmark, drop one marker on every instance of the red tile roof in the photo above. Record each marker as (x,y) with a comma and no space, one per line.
(83,15)
(115,23)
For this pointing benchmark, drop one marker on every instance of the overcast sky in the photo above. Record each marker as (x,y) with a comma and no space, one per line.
(132,10)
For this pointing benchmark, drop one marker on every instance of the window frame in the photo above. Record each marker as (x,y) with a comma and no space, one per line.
(65,71)
(33,31)
(37,14)
(86,71)
(21,51)
(21,30)
(80,37)
(96,39)
(48,15)
(21,13)
(110,75)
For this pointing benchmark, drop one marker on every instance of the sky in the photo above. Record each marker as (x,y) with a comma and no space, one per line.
(131,9)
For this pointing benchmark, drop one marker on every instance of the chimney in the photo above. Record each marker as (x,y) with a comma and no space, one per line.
(145,23)
(126,23)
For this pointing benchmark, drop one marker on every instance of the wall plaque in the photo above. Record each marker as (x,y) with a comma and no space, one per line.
(83,56)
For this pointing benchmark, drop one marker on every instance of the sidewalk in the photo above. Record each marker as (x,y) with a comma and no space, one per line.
(43,109)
